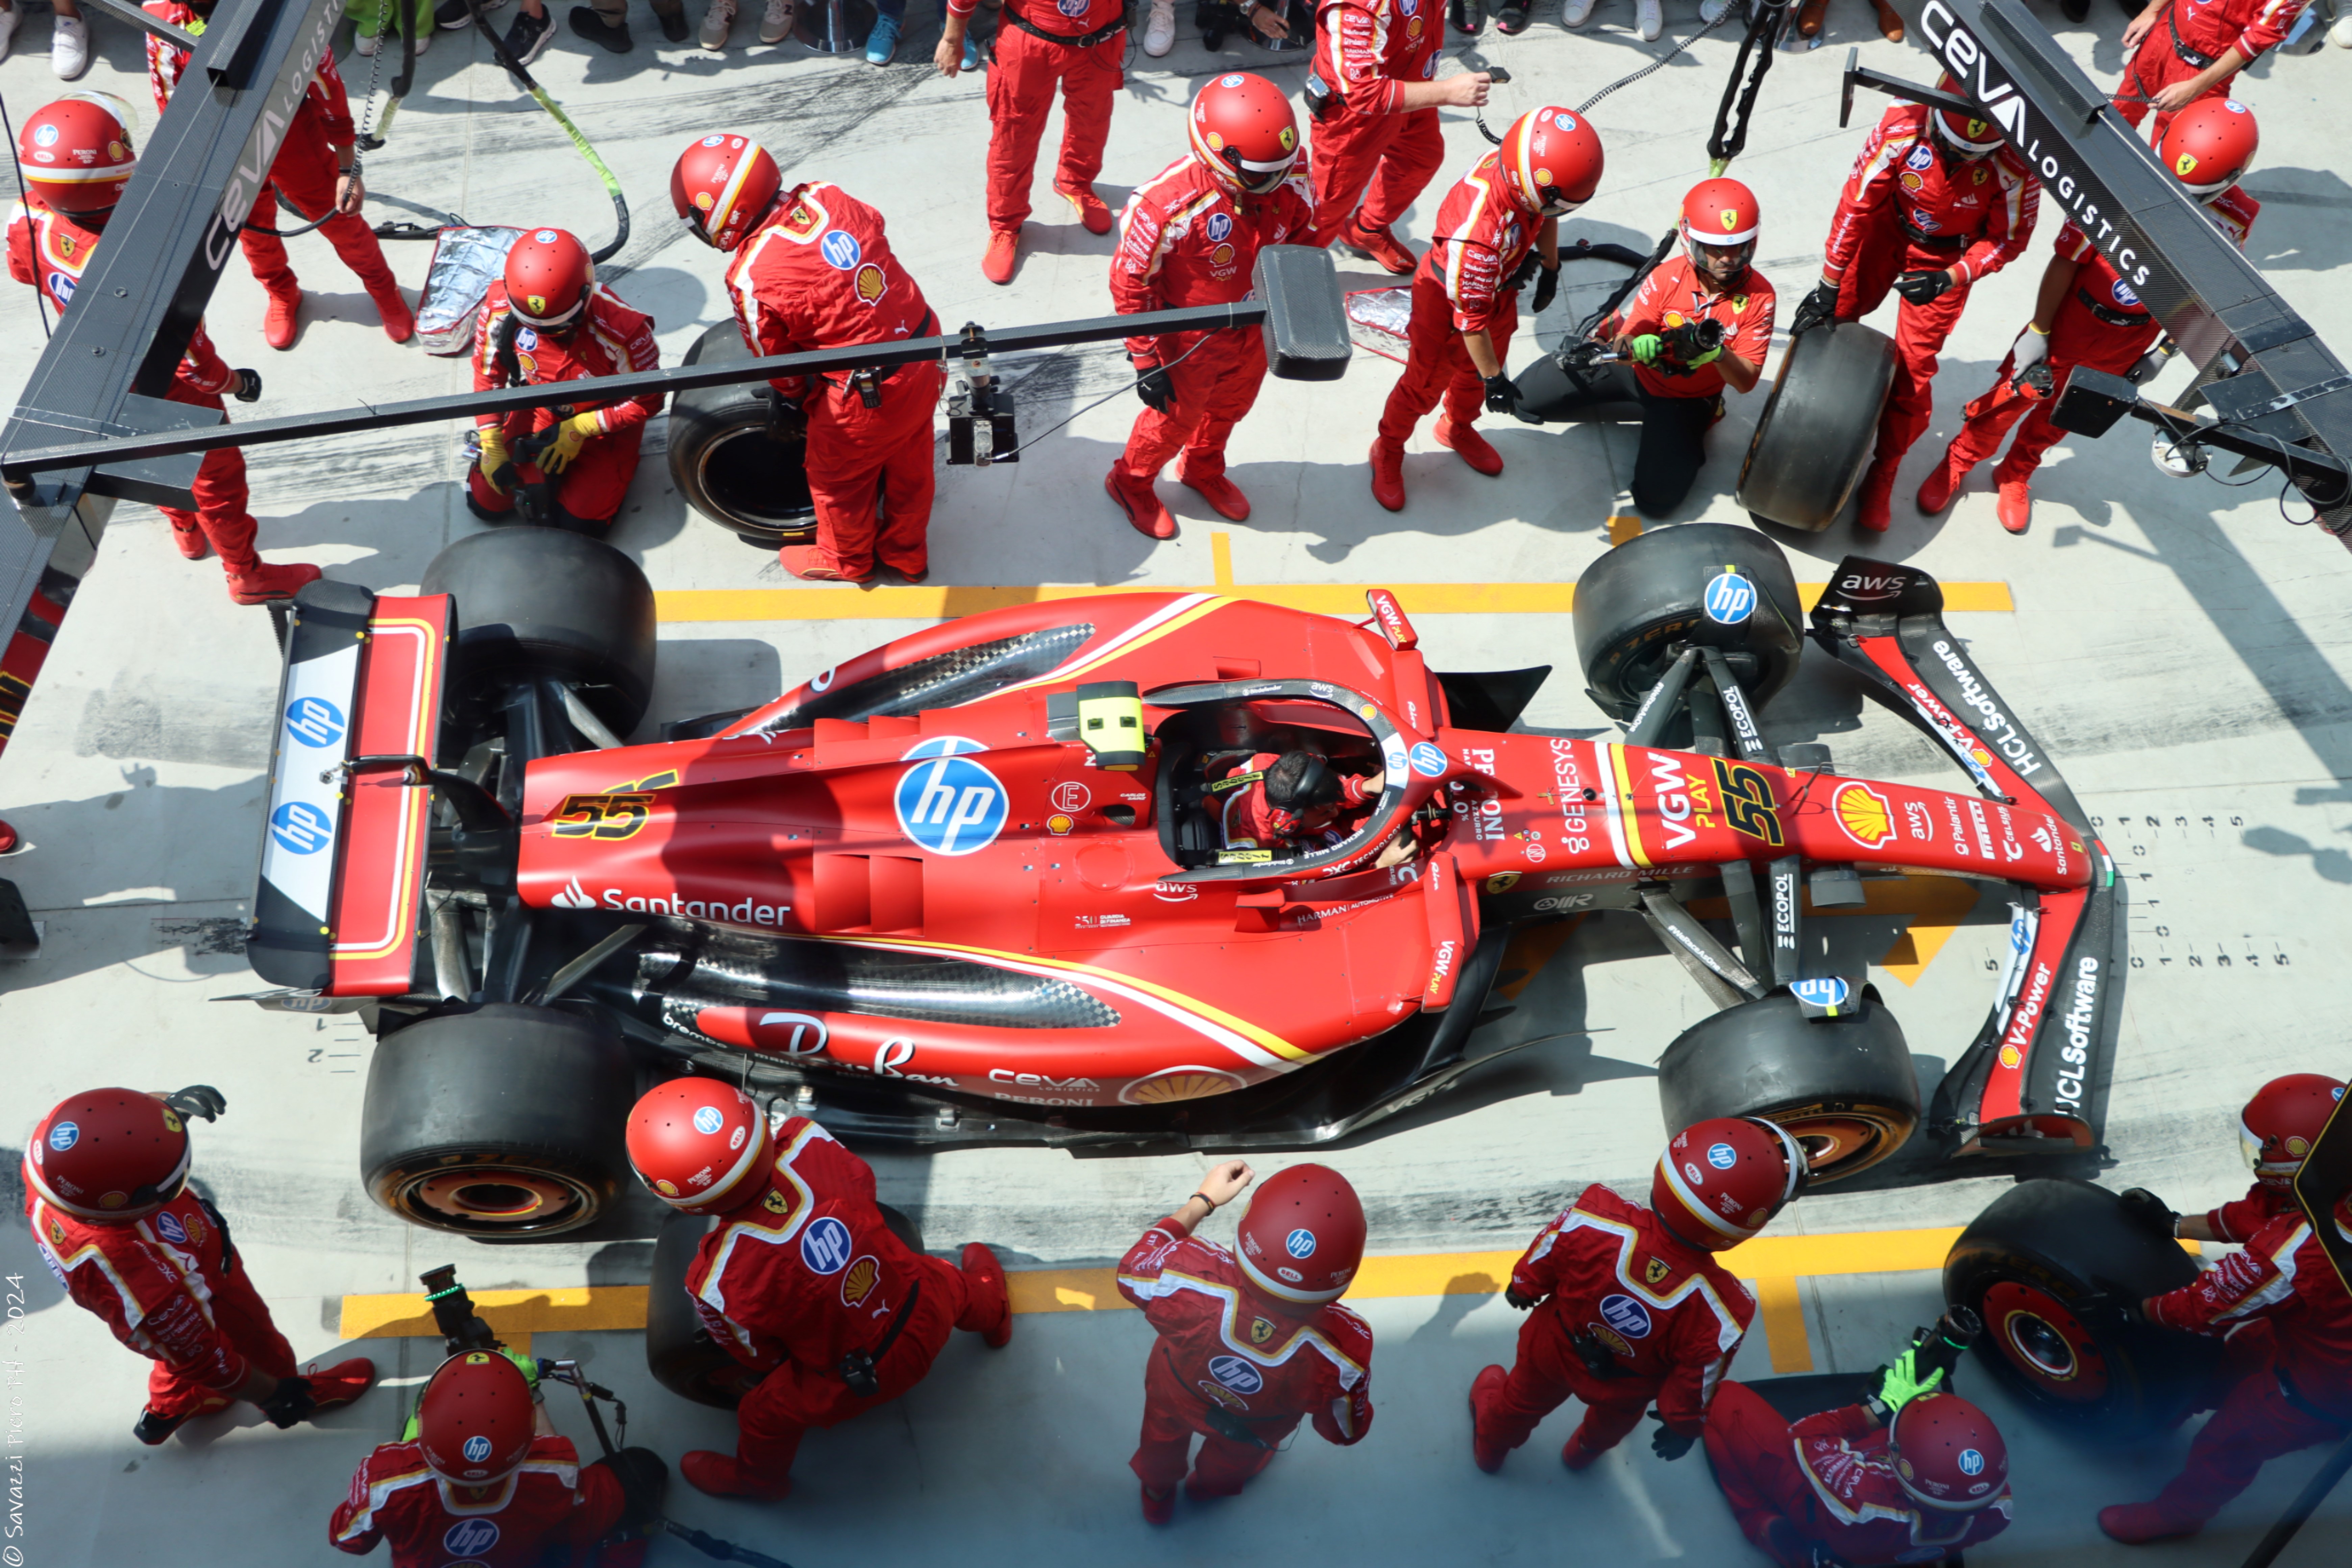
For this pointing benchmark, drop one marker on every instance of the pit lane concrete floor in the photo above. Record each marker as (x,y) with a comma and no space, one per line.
(2178,648)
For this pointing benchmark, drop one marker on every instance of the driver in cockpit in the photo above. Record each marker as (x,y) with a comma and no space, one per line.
(1294,801)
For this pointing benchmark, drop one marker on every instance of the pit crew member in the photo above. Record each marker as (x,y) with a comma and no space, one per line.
(1251,1339)
(105,1177)
(1501,216)
(813,269)
(1910,1475)
(1934,204)
(1628,1303)
(2183,53)
(316,171)
(1376,137)
(1698,322)
(1079,45)
(801,1280)
(482,1475)
(2088,315)
(77,156)
(548,320)
(1190,236)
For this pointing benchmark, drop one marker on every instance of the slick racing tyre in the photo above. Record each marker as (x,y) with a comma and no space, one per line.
(1818,426)
(2026,1266)
(680,1352)
(1843,1087)
(547,603)
(1709,582)
(722,462)
(501,1123)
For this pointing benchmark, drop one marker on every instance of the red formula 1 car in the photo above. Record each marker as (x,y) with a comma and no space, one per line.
(987,882)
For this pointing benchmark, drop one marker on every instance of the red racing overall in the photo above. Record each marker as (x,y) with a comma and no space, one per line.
(1367,147)
(820,274)
(1021,85)
(1224,1346)
(606,338)
(2190,35)
(1185,240)
(1463,285)
(550,1510)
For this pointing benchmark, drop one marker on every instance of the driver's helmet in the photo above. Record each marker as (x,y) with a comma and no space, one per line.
(1300,781)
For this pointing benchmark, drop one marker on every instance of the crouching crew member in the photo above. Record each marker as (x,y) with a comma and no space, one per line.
(106,1179)
(1190,236)
(800,1282)
(2086,315)
(1249,1342)
(813,270)
(77,156)
(1465,303)
(482,1476)
(548,320)
(1700,321)
(1629,1305)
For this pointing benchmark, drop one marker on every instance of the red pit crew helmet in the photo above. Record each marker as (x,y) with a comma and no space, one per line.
(548,276)
(722,186)
(1947,1454)
(1720,222)
(112,1155)
(76,153)
(2209,145)
(701,1144)
(1722,1179)
(2281,1122)
(1243,133)
(1551,161)
(1969,135)
(474,1419)
(1303,1237)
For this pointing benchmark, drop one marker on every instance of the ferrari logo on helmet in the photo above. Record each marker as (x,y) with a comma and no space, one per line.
(1288,137)
(170,1122)
(537,302)
(2187,162)
(1260,1330)
(477,1358)
(1730,221)
(1654,1270)
(1977,127)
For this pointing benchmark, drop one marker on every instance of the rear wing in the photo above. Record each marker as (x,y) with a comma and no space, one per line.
(2026,1083)
(343,847)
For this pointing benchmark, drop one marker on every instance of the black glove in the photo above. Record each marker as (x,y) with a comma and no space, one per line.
(1153,387)
(249,386)
(1924,288)
(1818,308)
(786,423)
(2144,1207)
(1511,1294)
(1546,290)
(198,1098)
(1502,396)
(1667,1443)
(289,1403)
(2107,1309)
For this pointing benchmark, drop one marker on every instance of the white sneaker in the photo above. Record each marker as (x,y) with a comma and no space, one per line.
(715,23)
(364,44)
(1649,21)
(776,25)
(2340,35)
(8,32)
(1574,13)
(1160,30)
(1711,11)
(70,47)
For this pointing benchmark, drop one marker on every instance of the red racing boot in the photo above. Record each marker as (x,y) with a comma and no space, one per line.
(1488,1456)
(261,582)
(1874,507)
(1224,496)
(1158,1508)
(1943,482)
(2015,507)
(723,1474)
(282,322)
(1376,245)
(2137,1523)
(1471,447)
(1574,1454)
(399,322)
(1092,212)
(1141,503)
(1388,473)
(986,1273)
(344,1381)
(1003,251)
(190,541)
(815,563)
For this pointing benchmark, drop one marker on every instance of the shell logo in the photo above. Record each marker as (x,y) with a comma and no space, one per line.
(870,283)
(1167,1086)
(858,1282)
(1675,319)
(2010,1056)
(1911,182)
(1058,824)
(1864,813)
(1216,143)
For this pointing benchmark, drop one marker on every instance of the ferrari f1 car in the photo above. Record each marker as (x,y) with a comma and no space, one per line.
(977,885)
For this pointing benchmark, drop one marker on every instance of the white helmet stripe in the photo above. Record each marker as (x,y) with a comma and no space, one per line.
(1276,1287)
(1695,1202)
(724,208)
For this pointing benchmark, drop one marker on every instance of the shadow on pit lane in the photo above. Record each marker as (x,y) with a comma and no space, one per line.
(2302,224)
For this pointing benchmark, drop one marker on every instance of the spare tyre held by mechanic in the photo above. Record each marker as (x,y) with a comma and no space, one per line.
(76,155)
(1629,1304)
(548,320)
(1189,235)
(1911,1474)
(2088,314)
(1495,229)
(315,171)
(1698,322)
(811,269)
(1376,137)
(1250,1339)
(1934,204)
(802,1279)
(482,1477)
(105,1177)
(2181,54)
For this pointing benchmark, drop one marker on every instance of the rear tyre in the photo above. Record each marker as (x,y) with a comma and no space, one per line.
(1843,1088)
(501,1123)
(722,462)
(545,603)
(1648,596)
(1818,428)
(2025,1266)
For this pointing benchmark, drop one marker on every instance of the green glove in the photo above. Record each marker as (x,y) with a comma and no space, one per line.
(1646,348)
(408,1433)
(1707,358)
(527,1365)
(1902,1384)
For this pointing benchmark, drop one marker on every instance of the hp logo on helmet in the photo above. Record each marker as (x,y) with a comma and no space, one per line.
(314,721)
(1299,1244)
(707,1120)
(477,1448)
(950,806)
(1972,1462)
(1731,598)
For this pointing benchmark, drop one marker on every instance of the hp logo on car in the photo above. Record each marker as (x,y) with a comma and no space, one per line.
(1731,598)
(300,828)
(314,721)
(950,806)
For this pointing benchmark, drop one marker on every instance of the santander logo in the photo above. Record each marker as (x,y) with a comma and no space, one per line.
(573,897)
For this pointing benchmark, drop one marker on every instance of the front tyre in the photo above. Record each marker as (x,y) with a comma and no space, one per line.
(1660,590)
